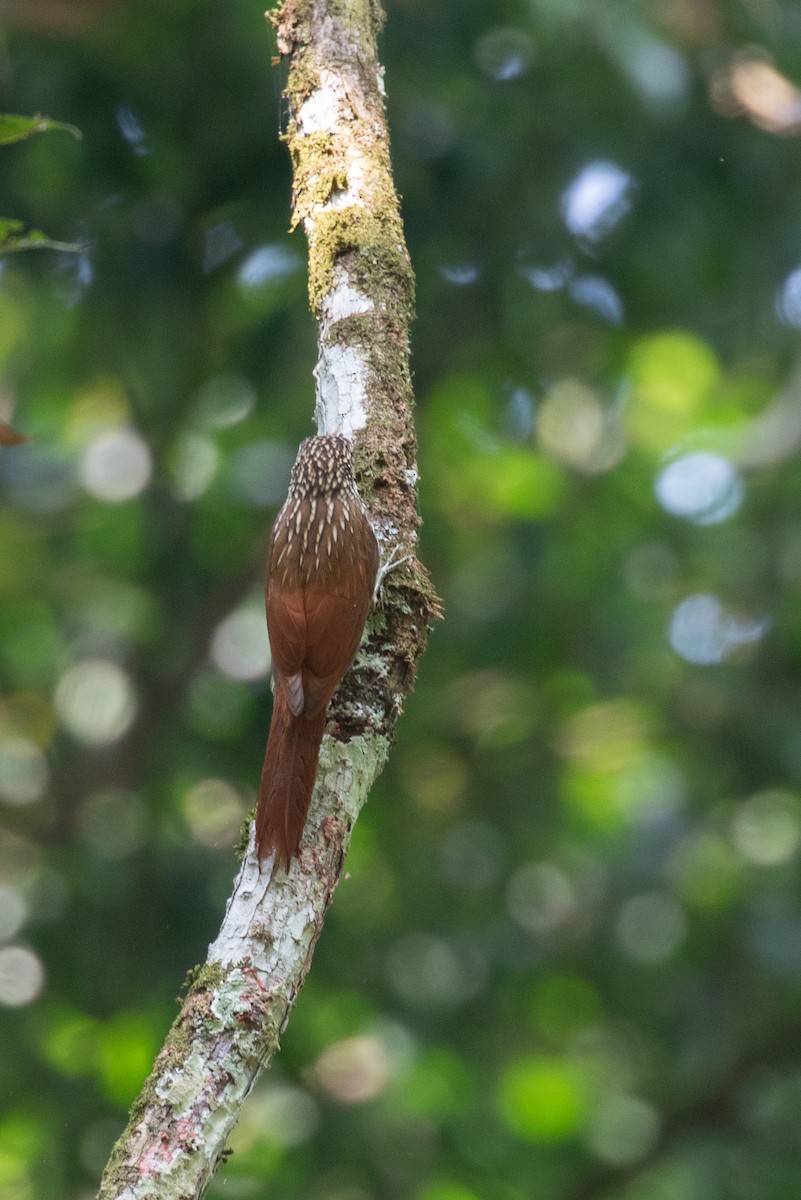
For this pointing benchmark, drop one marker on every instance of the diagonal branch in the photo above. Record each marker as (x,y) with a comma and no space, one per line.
(361,293)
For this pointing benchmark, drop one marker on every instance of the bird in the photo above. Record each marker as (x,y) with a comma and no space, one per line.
(322,566)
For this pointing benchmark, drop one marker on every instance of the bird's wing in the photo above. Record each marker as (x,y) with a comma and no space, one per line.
(335,616)
(286,626)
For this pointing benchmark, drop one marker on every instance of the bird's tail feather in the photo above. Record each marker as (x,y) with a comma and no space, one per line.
(287,780)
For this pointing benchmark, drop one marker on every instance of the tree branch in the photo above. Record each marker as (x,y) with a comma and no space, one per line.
(361,292)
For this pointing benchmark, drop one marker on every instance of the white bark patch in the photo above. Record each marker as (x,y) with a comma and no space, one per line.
(329,110)
(343,300)
(341,403)
(321,111)
(248,895)
(343,198)
(341,372)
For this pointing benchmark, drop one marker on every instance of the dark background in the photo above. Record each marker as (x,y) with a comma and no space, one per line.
(566,961)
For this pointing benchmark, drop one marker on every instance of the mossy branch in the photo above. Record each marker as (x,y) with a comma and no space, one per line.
(361,292)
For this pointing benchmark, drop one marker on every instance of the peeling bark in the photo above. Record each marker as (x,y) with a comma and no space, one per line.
(361,292)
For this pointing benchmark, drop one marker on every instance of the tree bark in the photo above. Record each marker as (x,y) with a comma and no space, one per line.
(361,293)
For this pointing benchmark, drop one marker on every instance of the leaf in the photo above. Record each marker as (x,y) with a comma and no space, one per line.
(18,129)
(10,437)
(14,236)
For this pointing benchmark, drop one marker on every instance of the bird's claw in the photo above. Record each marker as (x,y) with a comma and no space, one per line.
(384,570)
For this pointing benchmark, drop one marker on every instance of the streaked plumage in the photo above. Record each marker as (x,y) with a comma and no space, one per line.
(321,570)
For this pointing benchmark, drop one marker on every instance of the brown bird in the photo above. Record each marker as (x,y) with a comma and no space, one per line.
(321,571)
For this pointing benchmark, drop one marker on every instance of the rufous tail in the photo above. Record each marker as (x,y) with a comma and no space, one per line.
(287,780)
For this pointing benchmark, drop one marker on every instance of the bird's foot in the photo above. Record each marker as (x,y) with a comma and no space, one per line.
(384,570)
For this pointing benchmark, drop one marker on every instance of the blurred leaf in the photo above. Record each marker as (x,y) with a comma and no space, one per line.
(126,1045)
(21,1140)
(70,1042)
(31,643)
(562,1005)
(22,556)
(708,872)
(14,236)
(671,375)
(543,1100)
(112,536)
(446,1190)
(439,1085)
(510,482)
(17,129)
(459,417)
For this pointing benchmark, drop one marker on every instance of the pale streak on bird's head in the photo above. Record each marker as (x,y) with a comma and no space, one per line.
(324,466)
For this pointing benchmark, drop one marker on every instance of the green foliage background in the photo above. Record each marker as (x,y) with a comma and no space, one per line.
(566,961)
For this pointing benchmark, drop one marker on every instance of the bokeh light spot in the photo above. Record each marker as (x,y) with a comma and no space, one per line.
(495,707)
(13,911)
(623,1130)
(788,300)
(276,1113)
(354,1070)
(606,736)
(550,278)
(428,971)
(650,927)
(112,823)
(671,375)
(596,200)
(540,897)
(21,976)
(766,827)
(659,70)
(504,53)
(543,1100)
(702,631)
(225,400)
(116,466)
(96,701)
(650,786)
(773,936)
(570,424)
(752,85)
(193,464)
(268,264)
(240,647)
(703,487)
(23,770)
(214,812)
(132,129)
(597,294)
(460,274)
